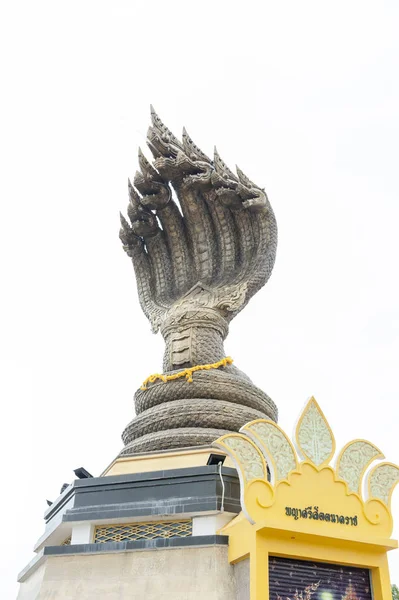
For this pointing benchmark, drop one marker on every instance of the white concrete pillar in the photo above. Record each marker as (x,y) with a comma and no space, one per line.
(82,533)
(210,524)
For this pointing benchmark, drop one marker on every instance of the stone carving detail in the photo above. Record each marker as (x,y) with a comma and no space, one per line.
(248,456)
(202,241)
(314,436)
(277,446)
(353,462)
(382,480)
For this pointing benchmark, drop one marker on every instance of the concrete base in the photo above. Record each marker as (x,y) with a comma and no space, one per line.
(175,574)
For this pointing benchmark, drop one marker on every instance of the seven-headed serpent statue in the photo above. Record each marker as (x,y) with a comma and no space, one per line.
(202,241)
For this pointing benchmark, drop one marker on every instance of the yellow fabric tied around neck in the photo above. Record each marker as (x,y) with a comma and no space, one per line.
(187,373)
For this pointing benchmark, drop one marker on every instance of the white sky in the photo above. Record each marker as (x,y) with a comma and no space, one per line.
(304,97)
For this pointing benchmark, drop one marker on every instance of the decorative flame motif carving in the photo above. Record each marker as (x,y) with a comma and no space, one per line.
(353,461)
(275,445)
(247,455)
(382,481)
(296,486)
(314,436)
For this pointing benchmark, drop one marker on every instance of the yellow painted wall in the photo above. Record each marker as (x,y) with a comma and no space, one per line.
(310,510)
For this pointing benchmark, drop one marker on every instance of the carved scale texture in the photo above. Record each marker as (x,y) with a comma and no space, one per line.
(161,266)
(266,241)
(201,233)
(246,246)
(175,234)
(225,384)
(180,437)
(179,412)
(225,235)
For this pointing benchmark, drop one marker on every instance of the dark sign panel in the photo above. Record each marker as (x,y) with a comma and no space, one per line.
(291,579)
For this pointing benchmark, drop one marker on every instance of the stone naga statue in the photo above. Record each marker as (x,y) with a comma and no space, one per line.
(202,241)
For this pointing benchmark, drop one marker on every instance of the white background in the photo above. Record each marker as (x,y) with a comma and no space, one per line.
(304,97)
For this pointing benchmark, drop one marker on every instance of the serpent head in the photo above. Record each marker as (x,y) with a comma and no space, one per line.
(237,192)
(129,239)
(155,190)
(160,139)
(144,222)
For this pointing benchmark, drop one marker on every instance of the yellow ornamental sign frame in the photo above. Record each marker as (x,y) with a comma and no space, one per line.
(297,505)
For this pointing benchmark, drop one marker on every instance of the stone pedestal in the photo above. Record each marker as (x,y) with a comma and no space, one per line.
(134,534)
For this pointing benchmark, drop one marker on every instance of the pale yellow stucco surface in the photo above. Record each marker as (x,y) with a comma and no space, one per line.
(30,589)
(148,462)
(173,574)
